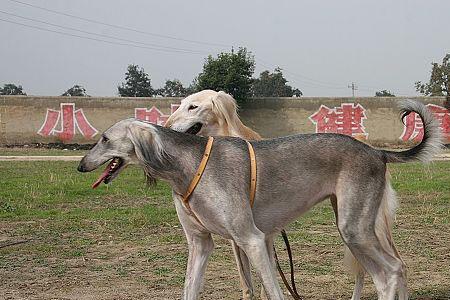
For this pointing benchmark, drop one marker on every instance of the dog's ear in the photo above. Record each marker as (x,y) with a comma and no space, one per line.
(147,147)
(225,107)
(142,135)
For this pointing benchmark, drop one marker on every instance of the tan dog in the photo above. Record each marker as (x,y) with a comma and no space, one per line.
(211,113)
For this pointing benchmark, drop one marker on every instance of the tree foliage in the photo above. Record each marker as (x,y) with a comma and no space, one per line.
(173,88)
(76,91)
(384,93)
(273,85)
(230,72)
(439,83)
(11,89)
(137,83)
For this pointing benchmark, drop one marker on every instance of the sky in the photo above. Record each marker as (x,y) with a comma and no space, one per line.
(322,46)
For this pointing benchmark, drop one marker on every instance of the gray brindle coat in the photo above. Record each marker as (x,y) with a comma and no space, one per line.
(294,174)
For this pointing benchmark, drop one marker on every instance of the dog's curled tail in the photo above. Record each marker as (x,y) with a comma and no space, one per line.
(431,143)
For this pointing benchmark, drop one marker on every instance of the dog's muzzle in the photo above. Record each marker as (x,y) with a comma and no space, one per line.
(81,168)
(194,129)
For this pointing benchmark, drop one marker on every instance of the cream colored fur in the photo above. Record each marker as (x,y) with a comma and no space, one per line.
(217,111)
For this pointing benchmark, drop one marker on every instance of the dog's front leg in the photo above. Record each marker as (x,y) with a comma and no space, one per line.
(200,248)
(200,245)
(245,274)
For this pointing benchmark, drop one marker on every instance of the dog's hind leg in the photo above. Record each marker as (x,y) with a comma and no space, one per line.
(359,274)
(349,260)
(270,250)
(253,242)
(364,228)
(245,274)
(402,289)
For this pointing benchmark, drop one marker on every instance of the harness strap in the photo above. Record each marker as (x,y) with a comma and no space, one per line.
(197,176)
(196,180)
(293,289)
(251,152)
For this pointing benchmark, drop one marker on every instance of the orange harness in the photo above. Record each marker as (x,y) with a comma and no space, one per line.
(201,169)
(195,181)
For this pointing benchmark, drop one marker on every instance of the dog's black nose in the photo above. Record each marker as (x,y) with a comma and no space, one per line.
(81,168)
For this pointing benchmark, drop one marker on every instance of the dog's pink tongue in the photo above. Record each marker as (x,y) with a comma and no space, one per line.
(102,177)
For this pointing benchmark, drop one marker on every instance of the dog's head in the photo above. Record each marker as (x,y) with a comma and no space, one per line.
(205,113)
(126,142)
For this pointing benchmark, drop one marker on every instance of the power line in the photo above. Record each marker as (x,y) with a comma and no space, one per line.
(321,84)
(305,79)
(93,39)
(104,35)
(121,27)
(328,85)
(310,81)
(324,83)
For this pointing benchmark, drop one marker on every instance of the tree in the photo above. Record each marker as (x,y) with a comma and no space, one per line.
(439,84)
(12,89)
(172,88)
(273,85)
(76,91)
(229,72)
(193,87)
(384,93)
(296,92)
(137,83)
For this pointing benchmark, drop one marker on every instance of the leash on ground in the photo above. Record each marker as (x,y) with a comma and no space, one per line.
(7,244)
(292,289)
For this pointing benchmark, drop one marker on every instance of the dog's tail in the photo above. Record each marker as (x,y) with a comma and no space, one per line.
(431,143)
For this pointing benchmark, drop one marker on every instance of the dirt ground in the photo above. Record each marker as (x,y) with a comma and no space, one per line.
(121,270)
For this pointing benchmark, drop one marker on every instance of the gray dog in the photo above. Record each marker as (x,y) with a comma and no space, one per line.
(294,173)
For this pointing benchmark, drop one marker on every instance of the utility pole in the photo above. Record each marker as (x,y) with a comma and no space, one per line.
(354,88)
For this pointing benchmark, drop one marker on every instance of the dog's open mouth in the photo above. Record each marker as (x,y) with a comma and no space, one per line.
(111,171)
(194,129)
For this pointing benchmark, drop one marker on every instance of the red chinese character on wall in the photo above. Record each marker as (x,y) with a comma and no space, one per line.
(346,119)
(69,120)
(413,130)
(173,107)
(154,115)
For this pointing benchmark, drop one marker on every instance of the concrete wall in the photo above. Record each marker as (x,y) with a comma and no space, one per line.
(28,119)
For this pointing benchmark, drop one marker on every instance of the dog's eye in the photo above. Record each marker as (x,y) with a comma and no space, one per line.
(191,107)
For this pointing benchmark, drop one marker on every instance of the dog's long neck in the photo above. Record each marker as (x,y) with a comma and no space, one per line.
(183,154)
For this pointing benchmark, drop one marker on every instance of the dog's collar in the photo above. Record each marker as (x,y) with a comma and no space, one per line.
(201,169)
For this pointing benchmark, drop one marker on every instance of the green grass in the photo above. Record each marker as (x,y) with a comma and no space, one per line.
(128,232)
(56,191)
